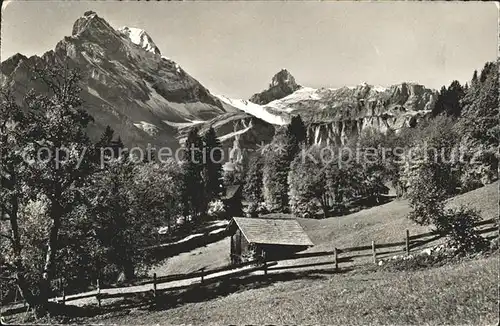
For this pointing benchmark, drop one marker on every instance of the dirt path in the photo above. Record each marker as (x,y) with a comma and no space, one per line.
(147,287)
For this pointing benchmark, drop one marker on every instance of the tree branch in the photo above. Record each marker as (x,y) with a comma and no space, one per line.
(7,237)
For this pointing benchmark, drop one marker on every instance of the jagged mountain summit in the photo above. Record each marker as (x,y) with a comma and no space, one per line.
(148,98)
(126,83)
(282,84)
(141,38)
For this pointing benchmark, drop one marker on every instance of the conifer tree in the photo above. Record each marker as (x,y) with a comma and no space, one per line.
(253,184)
(212,170)
(474,79)
(106,137)
(297,129)
(193,189)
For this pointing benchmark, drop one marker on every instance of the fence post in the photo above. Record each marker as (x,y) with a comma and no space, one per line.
(63,291)
(265,262)
(407,242)
(336,255)
(374,252)
(98,294)
(154,285)
(202,275)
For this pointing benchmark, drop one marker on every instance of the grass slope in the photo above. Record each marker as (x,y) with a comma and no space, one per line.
(462,293)
(388,223)
(383,224)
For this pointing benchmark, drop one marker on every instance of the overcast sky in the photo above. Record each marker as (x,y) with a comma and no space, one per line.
(234,48)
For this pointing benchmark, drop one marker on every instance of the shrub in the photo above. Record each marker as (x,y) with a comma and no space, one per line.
(469,182)
(251,210)
(458,226)
(216,209)
(417,261)
(255,209)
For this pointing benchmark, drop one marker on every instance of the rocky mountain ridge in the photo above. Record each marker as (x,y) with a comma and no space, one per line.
(126,82)
(148,98)
(333,116)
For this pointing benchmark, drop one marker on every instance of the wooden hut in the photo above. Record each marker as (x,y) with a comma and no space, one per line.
(252,238)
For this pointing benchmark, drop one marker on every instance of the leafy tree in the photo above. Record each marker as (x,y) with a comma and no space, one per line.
(378,155)
(132,203)
(435,141)
(78,257)
(62,125)
(343,182)
(426,195)
(14,135)
(56,149)
(373,185)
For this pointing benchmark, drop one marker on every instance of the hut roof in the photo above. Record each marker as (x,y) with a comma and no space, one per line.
(273,231)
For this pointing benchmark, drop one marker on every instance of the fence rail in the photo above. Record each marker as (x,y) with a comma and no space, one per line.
(480,223)
(210,276)
(205,277)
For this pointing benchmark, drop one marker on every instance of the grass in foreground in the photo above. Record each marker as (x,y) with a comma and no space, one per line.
(462,293)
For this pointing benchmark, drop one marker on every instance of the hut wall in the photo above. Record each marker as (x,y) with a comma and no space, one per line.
(239,247)
(280,251)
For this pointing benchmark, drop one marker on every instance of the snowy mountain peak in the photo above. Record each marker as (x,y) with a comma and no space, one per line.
(283,77)
(141,38)
(282,84)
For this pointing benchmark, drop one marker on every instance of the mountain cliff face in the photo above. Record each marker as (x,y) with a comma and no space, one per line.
(126,83)
(282,84)
(335,115)
(147,98)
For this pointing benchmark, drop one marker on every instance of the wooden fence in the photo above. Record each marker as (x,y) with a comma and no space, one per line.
(201,276)
(209,276)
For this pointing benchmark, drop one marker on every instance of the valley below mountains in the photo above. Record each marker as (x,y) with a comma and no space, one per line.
(147,98)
